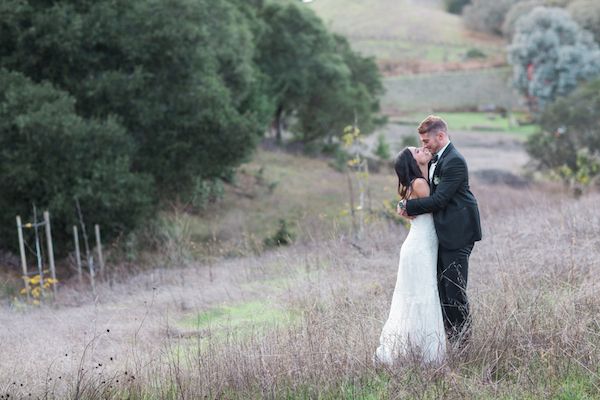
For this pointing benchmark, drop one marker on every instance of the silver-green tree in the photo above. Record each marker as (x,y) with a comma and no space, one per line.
(551,55)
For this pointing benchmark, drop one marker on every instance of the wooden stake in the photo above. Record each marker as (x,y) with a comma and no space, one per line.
(90,262)
(50,250)
(77,254)
(38,252)
(88,256)
(23,259)
(99,248)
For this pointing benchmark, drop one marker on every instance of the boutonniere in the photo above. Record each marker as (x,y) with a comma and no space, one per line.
(436,180)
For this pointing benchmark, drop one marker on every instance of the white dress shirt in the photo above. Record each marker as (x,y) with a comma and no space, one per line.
(432,166)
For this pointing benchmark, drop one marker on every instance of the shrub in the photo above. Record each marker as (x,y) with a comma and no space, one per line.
(50,156)
(569,144)
(206,191)
(383,148)
(456,6)
(474,53)
(282,237)
(551,55)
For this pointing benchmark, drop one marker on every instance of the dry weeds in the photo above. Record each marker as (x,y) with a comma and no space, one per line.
(533,286)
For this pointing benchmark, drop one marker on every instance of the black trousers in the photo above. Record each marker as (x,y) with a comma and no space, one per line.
(453,271)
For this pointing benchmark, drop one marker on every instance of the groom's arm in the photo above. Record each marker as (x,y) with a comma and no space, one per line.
(455,173)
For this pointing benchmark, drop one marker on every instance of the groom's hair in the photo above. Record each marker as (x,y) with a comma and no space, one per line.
(432,124)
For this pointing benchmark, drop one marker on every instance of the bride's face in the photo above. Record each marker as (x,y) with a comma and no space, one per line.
(421,155)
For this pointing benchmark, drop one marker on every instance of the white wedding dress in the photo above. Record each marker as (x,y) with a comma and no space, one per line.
(415,324)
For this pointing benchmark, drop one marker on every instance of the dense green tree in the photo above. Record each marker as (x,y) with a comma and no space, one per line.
(49,156)
(342,91)
(551,55)
(288,54)
(314,77)
(179,74)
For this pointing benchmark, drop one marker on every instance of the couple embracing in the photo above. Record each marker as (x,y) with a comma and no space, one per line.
(429,307)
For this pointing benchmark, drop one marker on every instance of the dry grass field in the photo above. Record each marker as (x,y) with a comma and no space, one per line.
(449,91)
(422,53)
(406,36)
(303,321)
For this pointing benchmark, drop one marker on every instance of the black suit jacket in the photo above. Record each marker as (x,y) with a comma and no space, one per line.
(454,208)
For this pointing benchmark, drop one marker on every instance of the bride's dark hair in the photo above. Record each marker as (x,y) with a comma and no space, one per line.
(407,170)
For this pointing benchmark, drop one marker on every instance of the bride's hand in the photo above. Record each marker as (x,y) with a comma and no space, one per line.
(401,210)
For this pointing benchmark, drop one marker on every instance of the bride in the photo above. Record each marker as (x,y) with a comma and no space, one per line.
(415,325)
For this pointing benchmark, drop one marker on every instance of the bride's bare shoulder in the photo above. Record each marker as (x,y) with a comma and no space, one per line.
(420,188)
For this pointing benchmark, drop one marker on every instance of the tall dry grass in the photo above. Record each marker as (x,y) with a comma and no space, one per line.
(533,286)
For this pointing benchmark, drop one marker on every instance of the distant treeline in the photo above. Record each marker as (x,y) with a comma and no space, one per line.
(128,104)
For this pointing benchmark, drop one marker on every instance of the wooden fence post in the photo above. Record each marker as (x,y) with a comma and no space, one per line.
(50,250)
(77,254)
(23,259)
(99,248)
(90,262)
(38,252)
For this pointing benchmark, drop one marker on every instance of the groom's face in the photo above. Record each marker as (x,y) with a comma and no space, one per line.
(431,141)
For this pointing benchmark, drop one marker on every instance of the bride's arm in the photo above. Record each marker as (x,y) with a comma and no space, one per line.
(419,189)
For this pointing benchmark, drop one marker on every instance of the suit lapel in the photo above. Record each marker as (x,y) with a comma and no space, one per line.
(439,166)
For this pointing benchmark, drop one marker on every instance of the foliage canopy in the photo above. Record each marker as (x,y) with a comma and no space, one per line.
(569,143)
(551,55)
(50,156)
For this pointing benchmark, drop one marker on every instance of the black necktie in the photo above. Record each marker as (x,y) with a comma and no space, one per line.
(434,159)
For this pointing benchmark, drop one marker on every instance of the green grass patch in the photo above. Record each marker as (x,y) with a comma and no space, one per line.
(241,316)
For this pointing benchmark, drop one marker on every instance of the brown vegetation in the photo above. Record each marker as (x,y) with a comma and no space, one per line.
(533,287)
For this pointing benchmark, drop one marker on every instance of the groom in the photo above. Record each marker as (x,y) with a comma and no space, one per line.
(456,219)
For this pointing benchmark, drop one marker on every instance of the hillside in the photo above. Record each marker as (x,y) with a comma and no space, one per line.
(422,52)
(408,36)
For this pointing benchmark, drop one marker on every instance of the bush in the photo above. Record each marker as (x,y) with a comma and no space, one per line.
(50,156)
(587,14)
(456,6)
(206,191)
(383,148)
(487,15)
(551,55)
(283,236)
(474,53)
(569,145)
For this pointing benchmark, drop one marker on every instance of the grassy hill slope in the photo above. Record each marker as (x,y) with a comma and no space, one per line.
(405,32)
(421,50)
